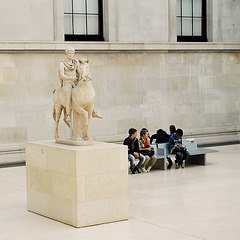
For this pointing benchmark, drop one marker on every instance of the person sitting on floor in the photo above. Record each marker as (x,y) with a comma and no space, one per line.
(176,147)
(146,150)
(133,151)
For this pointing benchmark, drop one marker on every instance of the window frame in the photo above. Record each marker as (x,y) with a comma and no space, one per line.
(87,37)
(203,37)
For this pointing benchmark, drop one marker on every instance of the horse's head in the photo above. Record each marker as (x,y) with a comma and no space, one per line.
(84,66)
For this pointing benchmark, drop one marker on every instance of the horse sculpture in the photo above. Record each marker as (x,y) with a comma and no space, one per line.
(82,105)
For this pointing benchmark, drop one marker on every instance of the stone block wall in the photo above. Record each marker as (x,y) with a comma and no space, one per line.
(198,91)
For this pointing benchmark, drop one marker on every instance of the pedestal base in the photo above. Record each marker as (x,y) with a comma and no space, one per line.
(69,141)
(80,186)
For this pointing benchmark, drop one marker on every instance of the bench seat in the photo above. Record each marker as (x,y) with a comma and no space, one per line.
(197,155)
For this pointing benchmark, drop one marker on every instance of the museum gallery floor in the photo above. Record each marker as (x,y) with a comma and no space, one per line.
(198,202)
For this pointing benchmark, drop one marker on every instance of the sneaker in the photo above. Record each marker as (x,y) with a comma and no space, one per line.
(143,169)
(183,164)
(148,169)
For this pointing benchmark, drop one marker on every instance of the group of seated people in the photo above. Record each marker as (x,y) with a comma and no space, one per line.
(142,151)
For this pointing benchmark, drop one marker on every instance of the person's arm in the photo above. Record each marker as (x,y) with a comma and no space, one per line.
(136,149)
(141,145)
(154,136)
(171,142)
(126,142)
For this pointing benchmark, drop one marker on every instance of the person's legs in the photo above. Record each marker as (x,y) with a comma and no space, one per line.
(131,159)
(67,87)
(152,162)
(178,159)
(141,160)
(185,157)
(146,161)
(169,162)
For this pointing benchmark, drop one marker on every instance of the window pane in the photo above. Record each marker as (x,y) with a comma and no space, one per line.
(79,6)
(187,7)
(179,26)
(67,6)
(179,8)
(92,6)
(197,8)
(68,24)
(79,24)
(92,24)
(197,27)
(187,27)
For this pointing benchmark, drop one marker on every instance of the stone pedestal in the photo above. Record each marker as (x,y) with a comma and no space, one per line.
(77,185)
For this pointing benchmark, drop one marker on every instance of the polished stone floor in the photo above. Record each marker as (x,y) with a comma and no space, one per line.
(198,202)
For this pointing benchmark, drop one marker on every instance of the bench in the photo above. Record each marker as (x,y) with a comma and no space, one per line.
(197,155)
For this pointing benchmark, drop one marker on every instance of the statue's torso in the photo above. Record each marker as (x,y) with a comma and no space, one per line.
(70,69)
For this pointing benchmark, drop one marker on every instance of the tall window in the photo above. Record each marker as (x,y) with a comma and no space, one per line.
(191,21)
(83,20)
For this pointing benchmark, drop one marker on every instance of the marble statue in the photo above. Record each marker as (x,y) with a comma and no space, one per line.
(76,94)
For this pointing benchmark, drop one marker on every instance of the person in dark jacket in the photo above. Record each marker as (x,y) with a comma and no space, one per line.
(133,151)
(162,137)
(176,147)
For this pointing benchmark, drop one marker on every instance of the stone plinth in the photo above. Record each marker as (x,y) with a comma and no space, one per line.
(77,185)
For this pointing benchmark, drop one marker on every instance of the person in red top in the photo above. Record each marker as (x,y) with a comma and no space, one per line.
(146,150)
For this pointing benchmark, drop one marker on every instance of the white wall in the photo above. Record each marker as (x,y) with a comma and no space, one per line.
(230,26)
(26,20)
(138,20)
(124,20)
(195,90)
(223,21)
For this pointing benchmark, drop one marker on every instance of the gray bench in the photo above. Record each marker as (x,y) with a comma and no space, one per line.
(197,155)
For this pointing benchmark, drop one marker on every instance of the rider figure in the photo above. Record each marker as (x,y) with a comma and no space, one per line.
(69,74)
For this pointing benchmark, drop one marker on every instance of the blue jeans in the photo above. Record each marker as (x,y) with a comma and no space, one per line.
(131,159)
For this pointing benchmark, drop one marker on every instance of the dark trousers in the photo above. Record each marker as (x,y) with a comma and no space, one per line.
(180,156)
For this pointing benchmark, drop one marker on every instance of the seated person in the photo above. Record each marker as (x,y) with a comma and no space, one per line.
(176,147)
(162,137)
(146,150)
(133,150)
(172,130)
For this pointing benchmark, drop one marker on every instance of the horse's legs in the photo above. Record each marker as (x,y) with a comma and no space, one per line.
(89,118)
(65,118)
(85,114)
(58,111)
